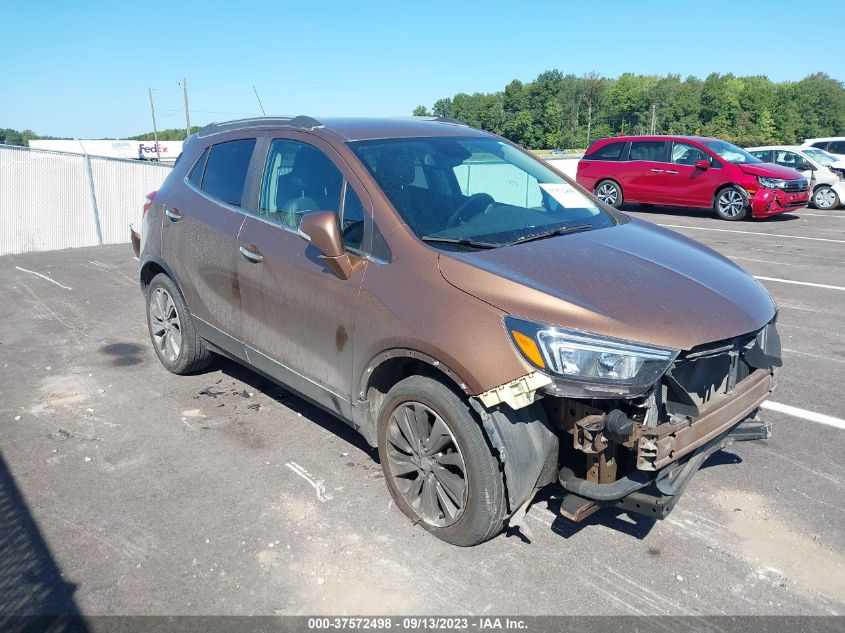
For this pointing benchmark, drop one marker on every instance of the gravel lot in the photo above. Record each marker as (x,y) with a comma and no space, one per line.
(125,490)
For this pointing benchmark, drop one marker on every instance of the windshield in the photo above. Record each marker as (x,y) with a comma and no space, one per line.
(820,156)
(731,153)
(468,193)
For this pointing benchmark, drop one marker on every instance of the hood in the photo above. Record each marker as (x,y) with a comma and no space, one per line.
(634,281)
(770,170)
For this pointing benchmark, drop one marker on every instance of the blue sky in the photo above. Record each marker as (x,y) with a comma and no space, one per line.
(82,68)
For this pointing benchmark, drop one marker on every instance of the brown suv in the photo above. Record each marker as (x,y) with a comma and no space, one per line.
(486,323)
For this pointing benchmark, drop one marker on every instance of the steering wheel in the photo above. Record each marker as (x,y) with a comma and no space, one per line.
(475,200)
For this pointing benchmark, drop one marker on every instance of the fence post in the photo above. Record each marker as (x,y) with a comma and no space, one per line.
(90,175)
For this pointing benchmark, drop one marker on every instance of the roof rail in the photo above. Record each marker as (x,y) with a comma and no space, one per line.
(301,121)
(448,119)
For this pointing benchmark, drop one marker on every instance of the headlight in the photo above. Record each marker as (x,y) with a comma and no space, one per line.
(771,183)
(588,365)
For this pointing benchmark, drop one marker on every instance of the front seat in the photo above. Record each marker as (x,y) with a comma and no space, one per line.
(313,178)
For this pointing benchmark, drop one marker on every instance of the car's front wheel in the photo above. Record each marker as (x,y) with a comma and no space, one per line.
(825,198)
(610,193)
(730,205)
(175,340)
(437,464)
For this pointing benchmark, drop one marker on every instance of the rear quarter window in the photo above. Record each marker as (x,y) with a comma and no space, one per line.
(611,151)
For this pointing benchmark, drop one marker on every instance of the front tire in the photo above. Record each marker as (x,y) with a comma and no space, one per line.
(176,342)
(437,464)
(730,205)
(610,193)
(825,198)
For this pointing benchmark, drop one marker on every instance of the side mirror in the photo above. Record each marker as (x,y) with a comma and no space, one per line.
(702,164)
(322,229)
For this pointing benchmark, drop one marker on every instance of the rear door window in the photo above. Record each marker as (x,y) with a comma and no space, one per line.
(647,150)
(225,170)
(836,147)
(763,154)
(611,151)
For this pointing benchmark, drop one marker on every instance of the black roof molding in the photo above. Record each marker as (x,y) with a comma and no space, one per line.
(300,121)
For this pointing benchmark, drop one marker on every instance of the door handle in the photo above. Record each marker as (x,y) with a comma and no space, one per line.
(657,171)
(254,257)
(672,171)
(174,214)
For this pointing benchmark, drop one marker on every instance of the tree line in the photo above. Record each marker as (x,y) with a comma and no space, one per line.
(565,111)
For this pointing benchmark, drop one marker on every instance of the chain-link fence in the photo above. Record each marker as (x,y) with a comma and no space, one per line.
(53,200)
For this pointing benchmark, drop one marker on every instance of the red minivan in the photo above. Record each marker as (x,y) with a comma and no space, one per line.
(690,171)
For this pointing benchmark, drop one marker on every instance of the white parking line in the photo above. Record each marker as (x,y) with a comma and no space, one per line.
(800,283)
(812,416)
(823,215)
(794,237)
(763,261)
(52,281)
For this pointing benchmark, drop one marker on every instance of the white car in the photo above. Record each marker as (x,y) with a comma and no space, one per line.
(824,172)
(832,145)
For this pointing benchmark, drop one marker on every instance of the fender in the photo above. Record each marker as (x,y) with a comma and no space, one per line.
(398,352)
(155,259)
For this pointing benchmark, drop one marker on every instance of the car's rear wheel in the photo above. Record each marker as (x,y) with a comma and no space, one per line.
(730,205)
(174,337)
(437,464)
(825,197)
(610,193)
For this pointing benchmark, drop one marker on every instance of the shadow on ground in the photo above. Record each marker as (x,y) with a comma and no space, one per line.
(703,213)
(293,402)
(31,583)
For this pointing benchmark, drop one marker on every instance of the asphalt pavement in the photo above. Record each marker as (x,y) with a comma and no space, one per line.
(127,490)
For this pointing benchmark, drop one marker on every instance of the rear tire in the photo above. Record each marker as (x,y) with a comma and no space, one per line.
(609,192)
(437,464)
(729,204)
(175,339)
(825,198)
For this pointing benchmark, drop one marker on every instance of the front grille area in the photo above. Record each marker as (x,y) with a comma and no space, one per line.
(796,186)
(710,372)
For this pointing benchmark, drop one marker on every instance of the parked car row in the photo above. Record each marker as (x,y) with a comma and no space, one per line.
(692,171)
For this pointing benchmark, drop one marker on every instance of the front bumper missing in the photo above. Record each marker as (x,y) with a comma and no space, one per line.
(658,497)
(669,442)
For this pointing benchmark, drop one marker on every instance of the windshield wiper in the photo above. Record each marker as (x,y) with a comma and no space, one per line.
(460,241)
(564,230)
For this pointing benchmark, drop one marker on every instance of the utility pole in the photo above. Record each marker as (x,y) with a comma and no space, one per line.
(259,101)
(187,113)
(589,120)
(155,131)
(653,118)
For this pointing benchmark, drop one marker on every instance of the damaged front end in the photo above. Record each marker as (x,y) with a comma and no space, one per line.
(637,449)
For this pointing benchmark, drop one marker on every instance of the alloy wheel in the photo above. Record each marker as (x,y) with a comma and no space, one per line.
(607,193)
(731,203)
(825,198)
(166,325)
(426,464)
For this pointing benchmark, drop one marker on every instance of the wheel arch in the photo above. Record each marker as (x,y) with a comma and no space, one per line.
(727,185)
(152,266)
(386,370)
